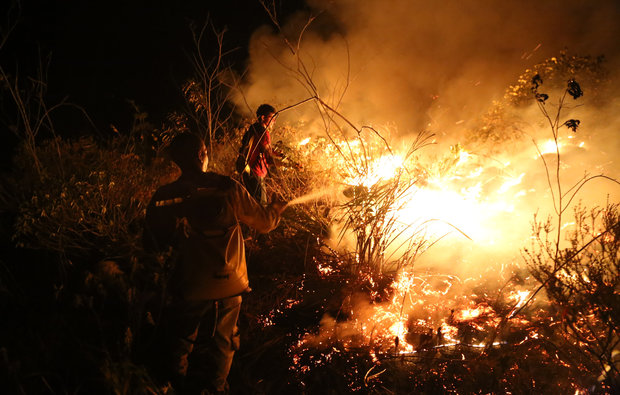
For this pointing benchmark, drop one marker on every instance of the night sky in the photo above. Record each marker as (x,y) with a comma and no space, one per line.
(104,53)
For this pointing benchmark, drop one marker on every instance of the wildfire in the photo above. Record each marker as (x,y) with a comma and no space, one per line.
(324,270)
(550,147)
(384,168)
(521,297)
(472,313)
(459,199)
(456,199)
(424,312)
(510,183)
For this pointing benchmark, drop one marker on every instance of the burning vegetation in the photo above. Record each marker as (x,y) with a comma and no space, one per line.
(400,267)
(392,273)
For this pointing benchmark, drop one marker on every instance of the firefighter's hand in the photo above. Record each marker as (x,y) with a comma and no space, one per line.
(279,206)
(277,154)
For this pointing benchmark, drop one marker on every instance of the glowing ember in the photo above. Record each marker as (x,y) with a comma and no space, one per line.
(325,270)
(521,297)
(470,314)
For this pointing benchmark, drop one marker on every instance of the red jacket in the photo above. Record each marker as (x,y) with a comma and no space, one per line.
(259,154)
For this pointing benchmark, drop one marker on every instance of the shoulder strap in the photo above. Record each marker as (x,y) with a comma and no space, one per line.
(247,169)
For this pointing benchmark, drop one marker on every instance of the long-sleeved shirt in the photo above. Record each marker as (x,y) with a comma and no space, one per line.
(199,216)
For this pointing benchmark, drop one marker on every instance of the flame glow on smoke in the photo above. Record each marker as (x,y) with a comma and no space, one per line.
(472,207)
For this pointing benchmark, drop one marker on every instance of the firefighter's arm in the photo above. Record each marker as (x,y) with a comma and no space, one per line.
(275,158)
(280,159)
(253,214)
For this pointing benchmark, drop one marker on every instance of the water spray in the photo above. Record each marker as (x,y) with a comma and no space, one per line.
(314,196)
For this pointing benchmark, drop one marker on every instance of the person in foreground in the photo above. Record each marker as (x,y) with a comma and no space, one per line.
(198,216)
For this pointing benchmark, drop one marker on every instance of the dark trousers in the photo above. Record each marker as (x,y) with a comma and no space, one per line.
(255,186)
(202,340)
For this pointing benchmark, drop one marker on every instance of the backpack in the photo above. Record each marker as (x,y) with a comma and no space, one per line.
(181,210)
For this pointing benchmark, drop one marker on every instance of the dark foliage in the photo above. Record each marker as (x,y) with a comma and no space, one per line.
(572,124)
(555,71)
(574,89)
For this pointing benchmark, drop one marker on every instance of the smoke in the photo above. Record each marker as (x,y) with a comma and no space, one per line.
(421,64)
(406,66)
